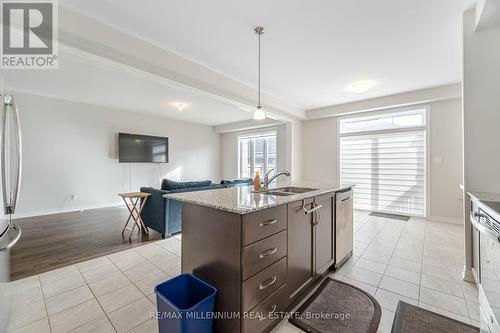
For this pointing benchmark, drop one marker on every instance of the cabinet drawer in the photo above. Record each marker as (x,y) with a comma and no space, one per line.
(262,285)
(263,253)
(263,315)
(263,223)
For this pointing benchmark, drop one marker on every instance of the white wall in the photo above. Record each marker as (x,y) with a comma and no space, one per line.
(319,150)
(295,149)
(320,157)
(446,161)
(229,162)
(71,148)
(481,107)
(229,144)
(481,116)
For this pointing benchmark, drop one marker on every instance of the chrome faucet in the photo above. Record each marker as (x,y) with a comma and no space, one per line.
(268,180)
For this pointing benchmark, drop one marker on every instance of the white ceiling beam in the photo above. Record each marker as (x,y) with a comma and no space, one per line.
(246,125)
(487,14)
(403,99)
(89,35)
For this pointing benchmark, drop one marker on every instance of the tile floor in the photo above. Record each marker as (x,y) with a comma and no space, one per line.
(109,294)
(416,261)
(419,262)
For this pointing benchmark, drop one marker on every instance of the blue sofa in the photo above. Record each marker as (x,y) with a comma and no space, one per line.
(237,182)
(165,215)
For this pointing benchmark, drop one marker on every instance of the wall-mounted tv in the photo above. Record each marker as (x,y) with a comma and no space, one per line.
(134,148)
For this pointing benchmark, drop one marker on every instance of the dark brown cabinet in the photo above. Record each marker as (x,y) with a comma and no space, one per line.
(324,240)
(300,248)
(311,248)
(260,262)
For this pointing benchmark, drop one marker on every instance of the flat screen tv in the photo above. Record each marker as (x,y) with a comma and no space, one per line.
(134,148)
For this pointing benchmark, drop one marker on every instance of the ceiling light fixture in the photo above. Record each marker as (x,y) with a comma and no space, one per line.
(180,106)
(259,114)
(360,87)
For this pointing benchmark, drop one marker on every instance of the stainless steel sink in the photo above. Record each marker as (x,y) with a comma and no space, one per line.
(281,194)
(294,190)
(285,191)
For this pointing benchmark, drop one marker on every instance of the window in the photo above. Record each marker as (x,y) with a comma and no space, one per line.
(385,156)
(257,153)
(388,121)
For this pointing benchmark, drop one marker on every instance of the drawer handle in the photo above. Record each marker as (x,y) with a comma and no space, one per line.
(268,253)
(273,309)
(268,283)
(270,222)
(312,210)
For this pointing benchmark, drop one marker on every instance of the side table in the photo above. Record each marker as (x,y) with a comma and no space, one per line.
(131,201)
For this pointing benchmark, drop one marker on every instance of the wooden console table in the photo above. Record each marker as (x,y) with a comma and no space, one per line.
(131,201)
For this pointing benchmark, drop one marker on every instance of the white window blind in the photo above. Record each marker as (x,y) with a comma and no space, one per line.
(388,169)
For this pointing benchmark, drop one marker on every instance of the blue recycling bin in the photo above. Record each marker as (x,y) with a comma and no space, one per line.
(185,305)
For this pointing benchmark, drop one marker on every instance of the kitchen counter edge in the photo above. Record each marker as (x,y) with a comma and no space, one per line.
(191,198)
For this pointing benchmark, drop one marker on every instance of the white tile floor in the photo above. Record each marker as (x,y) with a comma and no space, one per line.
(416,261)
(108,294)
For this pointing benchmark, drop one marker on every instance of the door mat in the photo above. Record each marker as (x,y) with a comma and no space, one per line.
(338,307)
(412,319)
(390,216)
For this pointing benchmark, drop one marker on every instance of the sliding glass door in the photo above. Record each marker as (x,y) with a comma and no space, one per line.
(385,156)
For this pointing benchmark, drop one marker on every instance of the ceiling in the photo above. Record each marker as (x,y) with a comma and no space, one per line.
(311,50)
(85,78)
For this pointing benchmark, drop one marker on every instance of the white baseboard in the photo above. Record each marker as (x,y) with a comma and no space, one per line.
(444,219)
(52,211)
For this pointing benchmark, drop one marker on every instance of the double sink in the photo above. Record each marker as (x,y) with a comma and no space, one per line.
(285,191)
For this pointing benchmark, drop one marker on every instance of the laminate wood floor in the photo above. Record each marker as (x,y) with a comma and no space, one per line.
(53,241)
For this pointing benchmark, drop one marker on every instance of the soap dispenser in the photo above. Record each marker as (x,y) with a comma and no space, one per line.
(256,181)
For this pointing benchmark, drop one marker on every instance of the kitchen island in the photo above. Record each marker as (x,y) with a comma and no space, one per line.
(264,250)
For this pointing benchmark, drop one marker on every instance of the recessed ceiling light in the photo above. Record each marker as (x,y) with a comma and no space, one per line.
(360,87)
(179,105)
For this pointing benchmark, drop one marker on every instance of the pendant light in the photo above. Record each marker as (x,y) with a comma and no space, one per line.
(259,114)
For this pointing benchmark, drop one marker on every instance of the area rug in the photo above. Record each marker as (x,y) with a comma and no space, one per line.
(338,307)
(412,319)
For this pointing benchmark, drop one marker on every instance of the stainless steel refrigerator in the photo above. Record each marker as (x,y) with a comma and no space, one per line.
(10,165)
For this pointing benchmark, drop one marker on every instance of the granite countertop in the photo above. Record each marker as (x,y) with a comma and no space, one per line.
(243,199)
(485,196)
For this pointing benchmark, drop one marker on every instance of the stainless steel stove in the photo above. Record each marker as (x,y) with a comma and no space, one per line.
(493,205)
(485,218)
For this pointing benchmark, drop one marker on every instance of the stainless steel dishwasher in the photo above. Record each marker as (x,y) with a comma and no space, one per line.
(343,227)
